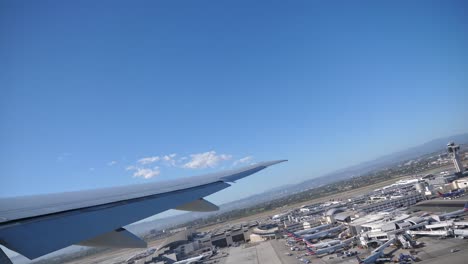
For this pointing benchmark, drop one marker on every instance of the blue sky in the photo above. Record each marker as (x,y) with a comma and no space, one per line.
(88,88)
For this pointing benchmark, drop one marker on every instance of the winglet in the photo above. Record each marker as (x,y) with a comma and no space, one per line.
(270,163)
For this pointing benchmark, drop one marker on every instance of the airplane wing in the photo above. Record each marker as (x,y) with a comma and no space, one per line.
(37,225)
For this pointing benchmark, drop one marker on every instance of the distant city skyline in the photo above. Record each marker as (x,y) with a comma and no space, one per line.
(116,93)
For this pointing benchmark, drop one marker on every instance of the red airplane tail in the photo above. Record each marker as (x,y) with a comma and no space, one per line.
(296,237)
(290,234)
(308,243)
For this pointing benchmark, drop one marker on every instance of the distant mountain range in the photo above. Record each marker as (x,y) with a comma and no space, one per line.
(433,146)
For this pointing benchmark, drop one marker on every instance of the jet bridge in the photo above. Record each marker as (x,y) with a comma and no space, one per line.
(431,233)
(460,233)
(460,223)
(440,225)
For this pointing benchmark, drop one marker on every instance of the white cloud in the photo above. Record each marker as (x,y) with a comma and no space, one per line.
(170,159)
(146,173)
(91,169)
(141,168)
(149,160)
(131,167)
(111,163)
(208,159)
(205,160)
(242,160)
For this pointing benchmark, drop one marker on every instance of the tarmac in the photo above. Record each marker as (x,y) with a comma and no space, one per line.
(274,252)
(255,254)
(440,251)
(450,250)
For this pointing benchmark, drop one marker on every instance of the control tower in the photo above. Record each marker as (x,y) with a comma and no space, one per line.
(452,150)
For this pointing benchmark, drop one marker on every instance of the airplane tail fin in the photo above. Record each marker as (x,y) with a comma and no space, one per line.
(294,235)
(465,208)
(289,233)
(308,243)
(359,259)
(440,194)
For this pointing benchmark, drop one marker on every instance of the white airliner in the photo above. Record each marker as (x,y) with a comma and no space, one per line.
(376,255)
(324,244)
(331,249)
(191,260)
(454,213)
(308,231)
(37,225)
(323,234)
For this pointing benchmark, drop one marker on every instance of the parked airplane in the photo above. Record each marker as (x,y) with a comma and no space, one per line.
(451,194)
(327,250)
(37,225)
(437,205)
(331,249)
(308,231)
(323,244)
(323,234)
(191,260)
(454,213)
(320,234)
(376,255)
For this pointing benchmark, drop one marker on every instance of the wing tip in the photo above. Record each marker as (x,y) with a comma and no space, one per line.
(247,171)
(273,162)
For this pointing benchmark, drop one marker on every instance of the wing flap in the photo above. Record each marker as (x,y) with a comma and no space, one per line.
(119,238)
(200,205)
